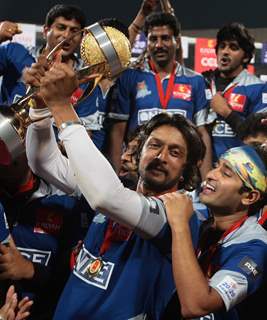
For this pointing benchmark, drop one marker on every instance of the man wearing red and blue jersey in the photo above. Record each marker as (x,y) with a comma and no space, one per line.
(161,85)
(239,93)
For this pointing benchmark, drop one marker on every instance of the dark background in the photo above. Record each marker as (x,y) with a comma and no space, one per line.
(194,14)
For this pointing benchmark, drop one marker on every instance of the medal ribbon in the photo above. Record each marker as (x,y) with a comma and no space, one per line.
(211,251)
(114,233)
(164,99)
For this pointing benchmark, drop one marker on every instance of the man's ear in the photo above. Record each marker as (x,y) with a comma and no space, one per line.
(250,197)
(178,42)
(45,31)
(246,59)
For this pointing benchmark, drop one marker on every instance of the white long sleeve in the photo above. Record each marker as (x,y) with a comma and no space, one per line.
(45,158)
(103,189)
(87,169)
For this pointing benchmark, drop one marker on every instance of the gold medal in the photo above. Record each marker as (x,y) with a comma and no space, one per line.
(95,267)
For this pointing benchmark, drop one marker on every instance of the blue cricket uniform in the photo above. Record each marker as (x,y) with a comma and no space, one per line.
(138,100)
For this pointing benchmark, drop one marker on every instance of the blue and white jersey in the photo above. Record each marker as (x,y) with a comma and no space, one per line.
(93,111)
(38,223)
(246,94)
(132,270)
(238,268)
(13,59)
(138,99)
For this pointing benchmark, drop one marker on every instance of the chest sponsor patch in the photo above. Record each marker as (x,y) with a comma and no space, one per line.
(142,90)
(34,255)
(249,267)
(145,115)
(237,101)
(182,91)
(85,262)
(222,129)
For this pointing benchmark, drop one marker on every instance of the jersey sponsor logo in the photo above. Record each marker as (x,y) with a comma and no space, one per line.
(208,94)
(182,91)
(34,255)
(222,129)
(142,90)
(237,101)
(84,262)
(228,287)
(249,267)
(153,206)
(147,114)
(77,94)
(48,221)
(208,317)
(264,98)
(94,121)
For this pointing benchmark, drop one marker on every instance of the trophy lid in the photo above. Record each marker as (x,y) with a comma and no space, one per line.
(106,46)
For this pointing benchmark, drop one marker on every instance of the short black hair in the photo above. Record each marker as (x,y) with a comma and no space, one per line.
(68,12)
(193,140)
(253,126)
(236,31)
(157,19)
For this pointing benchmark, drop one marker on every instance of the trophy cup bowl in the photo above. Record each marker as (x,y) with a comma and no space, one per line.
(108,47)
(106,52)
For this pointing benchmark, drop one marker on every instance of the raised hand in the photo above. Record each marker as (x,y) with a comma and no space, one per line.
(58,84)
(23,308)
(7,312)
(7,30)
(32,76)
(148,6)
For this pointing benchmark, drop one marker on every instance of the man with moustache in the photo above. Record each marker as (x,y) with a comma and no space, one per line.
(117,270)
(231,249)
(161,85)
(239,93)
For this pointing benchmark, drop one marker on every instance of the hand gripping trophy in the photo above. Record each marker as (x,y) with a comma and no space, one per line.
(106,52)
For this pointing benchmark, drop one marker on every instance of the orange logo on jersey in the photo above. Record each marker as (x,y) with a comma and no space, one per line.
(237,101)
(182,91)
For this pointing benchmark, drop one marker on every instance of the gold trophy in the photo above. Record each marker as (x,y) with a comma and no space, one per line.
(106,52)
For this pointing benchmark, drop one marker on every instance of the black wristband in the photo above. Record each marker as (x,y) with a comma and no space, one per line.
(234,120)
